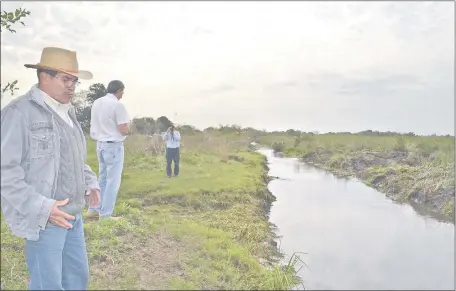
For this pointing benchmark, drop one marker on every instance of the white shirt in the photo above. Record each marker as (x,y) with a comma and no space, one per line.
(172,141)
(106,114)
(60,108)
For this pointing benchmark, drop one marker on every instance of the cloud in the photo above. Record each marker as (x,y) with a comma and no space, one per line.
(316,65)
(375,84)
(201,30)
(9,56)
(219,89)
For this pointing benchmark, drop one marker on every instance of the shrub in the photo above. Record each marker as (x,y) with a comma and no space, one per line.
(278,147)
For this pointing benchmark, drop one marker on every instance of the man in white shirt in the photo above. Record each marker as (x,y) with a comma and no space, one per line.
(172,138)
(109,126)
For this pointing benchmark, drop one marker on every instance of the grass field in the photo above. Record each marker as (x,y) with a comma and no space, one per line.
(414,169)
(206,229)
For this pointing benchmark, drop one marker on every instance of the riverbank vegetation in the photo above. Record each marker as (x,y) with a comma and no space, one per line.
(206,229)
(407,168)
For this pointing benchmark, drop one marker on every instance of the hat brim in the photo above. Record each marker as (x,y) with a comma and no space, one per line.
(84,75)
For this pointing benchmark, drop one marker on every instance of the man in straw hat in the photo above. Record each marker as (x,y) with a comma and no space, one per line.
(44,177)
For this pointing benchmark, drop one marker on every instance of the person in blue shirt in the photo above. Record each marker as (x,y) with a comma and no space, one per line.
(172,138)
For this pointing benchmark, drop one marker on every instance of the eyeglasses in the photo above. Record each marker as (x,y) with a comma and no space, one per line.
(68,81)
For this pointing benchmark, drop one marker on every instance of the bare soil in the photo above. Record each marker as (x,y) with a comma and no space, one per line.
(155,260)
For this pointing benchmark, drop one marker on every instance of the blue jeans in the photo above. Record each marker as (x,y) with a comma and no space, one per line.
(110,166)
(58,259)
(172,154)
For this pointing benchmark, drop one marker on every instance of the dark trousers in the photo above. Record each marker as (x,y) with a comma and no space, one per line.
(172,154)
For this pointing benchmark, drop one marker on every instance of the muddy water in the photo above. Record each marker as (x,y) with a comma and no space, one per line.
(355,237)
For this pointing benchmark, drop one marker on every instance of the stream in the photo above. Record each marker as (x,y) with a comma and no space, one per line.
(354,236)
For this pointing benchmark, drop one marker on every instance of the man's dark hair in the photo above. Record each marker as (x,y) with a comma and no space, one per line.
(115,86)
(49,72)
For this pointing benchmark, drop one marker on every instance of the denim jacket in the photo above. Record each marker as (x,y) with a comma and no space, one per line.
(30,153)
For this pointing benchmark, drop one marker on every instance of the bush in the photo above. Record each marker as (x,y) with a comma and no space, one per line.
(278,147)
(400,144)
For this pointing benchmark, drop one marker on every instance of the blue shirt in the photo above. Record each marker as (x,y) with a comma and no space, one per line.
(172,141)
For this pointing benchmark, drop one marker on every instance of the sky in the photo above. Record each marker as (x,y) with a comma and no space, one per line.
(311,66)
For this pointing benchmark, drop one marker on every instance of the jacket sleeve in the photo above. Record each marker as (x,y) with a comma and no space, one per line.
(90,177)
(14,189)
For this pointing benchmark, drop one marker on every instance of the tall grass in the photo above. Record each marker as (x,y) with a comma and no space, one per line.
(439,150)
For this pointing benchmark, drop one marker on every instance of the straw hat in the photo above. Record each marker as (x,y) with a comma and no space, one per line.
(61,60)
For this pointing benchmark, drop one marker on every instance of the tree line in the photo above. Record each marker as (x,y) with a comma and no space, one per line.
(84,99)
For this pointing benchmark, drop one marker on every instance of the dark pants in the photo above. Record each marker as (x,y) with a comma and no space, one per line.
(172,154)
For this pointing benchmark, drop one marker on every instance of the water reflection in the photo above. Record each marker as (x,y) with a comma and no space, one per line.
(355,237)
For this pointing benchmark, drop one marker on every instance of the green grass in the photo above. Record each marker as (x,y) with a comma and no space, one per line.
(406,168)
(206,229)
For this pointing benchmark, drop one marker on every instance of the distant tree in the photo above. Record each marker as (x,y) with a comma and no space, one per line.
(293,132)
(187,129)
(237,129)
(224,129)
(278,146)
(96,91)
(84,118)
(163,123)
(82,109)
(8,19)
(83,100)
(145,125)
(210,129)
(252,133)
(79,99)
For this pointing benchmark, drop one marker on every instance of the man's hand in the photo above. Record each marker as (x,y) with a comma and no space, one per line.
(58,217)
(94,197)
(124,129)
